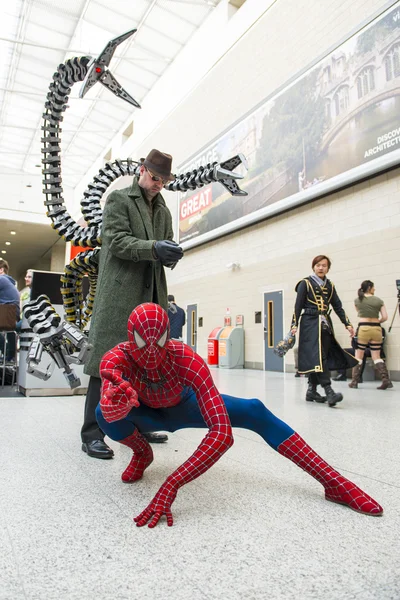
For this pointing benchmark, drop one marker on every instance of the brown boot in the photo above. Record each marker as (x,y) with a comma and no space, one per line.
(384,375)
(356,373)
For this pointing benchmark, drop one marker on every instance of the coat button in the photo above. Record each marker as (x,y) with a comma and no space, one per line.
(147,285)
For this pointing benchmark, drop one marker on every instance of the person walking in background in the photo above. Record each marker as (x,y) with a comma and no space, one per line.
(341,374)
(8,295)
(177,318)
(372,312)
(319,352)
(136,246)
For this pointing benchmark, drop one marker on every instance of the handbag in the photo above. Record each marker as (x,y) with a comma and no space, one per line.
(8,317)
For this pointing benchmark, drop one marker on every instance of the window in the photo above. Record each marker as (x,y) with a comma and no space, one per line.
(341,99)
(392,63)
(365,82)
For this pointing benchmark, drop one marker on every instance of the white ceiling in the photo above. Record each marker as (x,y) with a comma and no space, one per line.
(37,35)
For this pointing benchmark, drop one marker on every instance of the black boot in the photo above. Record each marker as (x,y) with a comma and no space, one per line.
(332,397)
(155,438)
(312,395)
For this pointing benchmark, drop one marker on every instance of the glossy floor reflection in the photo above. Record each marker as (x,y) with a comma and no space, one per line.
(253,527)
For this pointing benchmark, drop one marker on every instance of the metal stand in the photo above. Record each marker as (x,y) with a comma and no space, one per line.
(394,314)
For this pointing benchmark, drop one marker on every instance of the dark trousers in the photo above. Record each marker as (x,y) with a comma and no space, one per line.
(90,429)
(323,378)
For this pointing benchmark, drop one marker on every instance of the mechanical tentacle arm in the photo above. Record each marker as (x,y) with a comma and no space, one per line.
(221,172)
(97,71)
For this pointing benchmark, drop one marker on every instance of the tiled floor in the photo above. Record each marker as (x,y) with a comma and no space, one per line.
(253,527)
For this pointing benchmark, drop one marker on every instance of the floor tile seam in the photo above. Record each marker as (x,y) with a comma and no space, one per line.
(262,442)
(383,482)
(340,469)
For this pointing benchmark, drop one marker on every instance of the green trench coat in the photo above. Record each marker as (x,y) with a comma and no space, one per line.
(128,272)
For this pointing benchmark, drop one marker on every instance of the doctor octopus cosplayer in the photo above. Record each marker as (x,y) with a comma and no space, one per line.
(152,383)
(64,340)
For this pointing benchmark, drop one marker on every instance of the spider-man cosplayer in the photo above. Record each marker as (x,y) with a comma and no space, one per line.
(152,383)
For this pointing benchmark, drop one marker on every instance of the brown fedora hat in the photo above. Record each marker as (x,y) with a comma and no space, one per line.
(159,163)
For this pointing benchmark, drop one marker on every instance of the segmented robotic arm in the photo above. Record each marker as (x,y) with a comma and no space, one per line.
(58,338)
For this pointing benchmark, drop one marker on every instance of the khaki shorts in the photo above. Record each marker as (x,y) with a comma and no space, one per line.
(369,334)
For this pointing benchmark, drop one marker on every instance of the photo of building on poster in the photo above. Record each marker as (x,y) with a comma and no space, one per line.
(341,114)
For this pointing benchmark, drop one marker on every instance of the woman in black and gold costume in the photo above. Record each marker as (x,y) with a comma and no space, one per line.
(319,352)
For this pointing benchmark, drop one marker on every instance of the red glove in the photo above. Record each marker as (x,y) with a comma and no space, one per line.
(118,397)
(159,506)
(122,393)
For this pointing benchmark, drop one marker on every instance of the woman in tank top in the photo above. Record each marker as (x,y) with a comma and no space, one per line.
(372,312)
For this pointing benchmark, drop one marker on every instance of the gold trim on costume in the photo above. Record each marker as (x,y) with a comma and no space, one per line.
(333,287)
(320,344)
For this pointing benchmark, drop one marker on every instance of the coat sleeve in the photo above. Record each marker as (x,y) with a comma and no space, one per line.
(338,308)
(117,231)
(169,234)
(301,289)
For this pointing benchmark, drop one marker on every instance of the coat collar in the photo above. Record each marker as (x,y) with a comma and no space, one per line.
(317,286)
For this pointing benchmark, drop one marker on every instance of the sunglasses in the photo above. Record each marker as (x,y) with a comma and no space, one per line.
(156,177)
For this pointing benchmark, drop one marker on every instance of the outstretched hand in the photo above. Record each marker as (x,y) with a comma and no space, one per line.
(158,507)
(119,390)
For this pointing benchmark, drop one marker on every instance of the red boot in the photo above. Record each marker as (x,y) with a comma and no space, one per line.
(337,488)
(141,459)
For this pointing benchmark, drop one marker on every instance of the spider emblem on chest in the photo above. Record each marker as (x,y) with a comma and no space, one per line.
(154,386)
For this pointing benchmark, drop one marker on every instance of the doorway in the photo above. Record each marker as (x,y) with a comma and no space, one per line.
(191,329)
(273,330)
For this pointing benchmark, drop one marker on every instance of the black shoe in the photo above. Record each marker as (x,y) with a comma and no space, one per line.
(155,438)
(97,449)
(297,374)
(332,397)
(340,378)
(313,396)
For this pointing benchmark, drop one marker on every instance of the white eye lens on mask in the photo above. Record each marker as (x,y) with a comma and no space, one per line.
(139,342)
(163,339)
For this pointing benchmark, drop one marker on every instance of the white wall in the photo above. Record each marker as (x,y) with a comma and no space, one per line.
(276,253)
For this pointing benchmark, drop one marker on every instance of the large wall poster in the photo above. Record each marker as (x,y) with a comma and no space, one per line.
(338,122)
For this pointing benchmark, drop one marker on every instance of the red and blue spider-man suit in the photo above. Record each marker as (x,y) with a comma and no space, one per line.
(152,383)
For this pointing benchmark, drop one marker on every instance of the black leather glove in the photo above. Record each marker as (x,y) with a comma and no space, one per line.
(167,251)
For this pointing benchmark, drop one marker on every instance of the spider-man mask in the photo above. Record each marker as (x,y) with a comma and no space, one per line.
(148,333)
